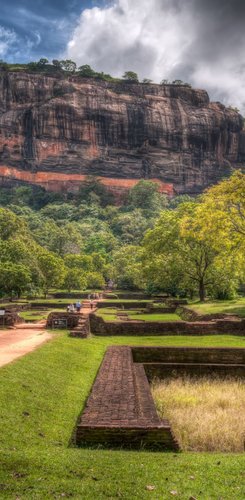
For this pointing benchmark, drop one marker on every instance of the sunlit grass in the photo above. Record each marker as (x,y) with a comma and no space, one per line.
(41,396)
(236,306)
(206,414)
(111,314)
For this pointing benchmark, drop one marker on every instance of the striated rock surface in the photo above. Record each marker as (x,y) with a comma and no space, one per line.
(55,132)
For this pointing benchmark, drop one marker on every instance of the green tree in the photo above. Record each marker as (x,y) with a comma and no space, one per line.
(10,224)
(57,63)
(126,267)
(95,280)
(145,195)
(74,280)
(180,257)
(68,65)
(14,278)
(130,76)
(93,191)
(52,269)
(86,71)
(42,62)
(131,226)
(79,261)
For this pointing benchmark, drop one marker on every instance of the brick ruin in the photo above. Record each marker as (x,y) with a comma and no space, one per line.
(144,328)
(120,410)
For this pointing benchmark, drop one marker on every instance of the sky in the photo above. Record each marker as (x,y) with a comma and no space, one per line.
(198,41)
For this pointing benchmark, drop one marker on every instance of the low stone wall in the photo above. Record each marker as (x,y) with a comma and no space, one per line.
(66,295)
(130,296)
(160,310)
(176,302)
(122,304)
(100,327)
(160,362)
(189,314)
(10,319)
(50,305)
(62,320)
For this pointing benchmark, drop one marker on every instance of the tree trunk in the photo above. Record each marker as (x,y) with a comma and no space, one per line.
(202,291)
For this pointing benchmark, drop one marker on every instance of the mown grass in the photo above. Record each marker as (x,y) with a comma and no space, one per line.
(41,396)
(34,315)
(110,314)
(206,413)
(236,306)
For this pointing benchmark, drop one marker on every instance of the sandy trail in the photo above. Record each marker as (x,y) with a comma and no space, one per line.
(17,342)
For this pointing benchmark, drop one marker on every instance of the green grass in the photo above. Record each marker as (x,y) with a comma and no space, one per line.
(236,306)
(110,314)
(53,301)
(41,396)
(34,315)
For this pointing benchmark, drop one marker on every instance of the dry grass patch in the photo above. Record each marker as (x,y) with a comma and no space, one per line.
(206,414)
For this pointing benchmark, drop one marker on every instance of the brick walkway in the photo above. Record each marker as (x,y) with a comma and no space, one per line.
(120,409)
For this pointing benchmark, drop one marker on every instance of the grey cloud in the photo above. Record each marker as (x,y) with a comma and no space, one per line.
(199,41)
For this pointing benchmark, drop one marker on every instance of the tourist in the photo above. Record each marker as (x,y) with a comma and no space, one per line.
(78,306)
(89,296)
(71,308)
(91,305)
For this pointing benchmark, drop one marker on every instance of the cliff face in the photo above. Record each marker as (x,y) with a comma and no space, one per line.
(55,132)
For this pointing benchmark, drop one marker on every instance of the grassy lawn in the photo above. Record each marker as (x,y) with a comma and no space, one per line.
(34,315)
(41,396)
(107,313)
(53,301)
(110,314)
(236,306)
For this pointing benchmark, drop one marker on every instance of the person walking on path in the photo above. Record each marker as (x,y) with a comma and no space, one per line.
(78,306)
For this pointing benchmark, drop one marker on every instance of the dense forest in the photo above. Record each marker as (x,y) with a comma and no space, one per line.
(184,246)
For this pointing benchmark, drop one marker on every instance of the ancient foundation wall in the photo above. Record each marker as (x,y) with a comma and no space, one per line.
(120,410)
(100,327)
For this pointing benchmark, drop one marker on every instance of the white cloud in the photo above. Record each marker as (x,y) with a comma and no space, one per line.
(8,38)
(136,35)
(163,39)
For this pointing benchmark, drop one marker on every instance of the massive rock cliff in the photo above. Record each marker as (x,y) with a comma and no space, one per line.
(54,132)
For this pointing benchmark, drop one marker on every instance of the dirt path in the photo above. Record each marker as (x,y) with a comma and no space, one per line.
(17,342)
(26,337)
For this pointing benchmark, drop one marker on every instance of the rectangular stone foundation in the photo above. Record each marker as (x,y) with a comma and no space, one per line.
(120,410)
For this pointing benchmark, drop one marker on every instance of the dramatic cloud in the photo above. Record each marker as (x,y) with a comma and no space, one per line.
(8,39)
(202,42)
(41,28)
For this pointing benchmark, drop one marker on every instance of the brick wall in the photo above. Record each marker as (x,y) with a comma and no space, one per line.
(71,319)
(120,410)
(100,327)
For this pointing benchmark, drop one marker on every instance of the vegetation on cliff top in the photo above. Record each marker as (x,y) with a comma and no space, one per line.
(66,68)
